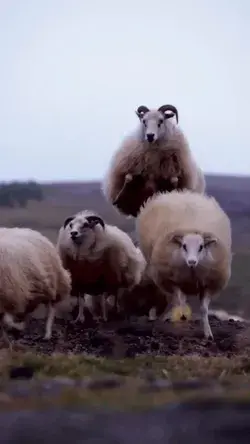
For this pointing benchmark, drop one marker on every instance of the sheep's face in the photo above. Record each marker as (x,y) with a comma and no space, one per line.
(81,229)
(194,248)
(153,125)
(153,121)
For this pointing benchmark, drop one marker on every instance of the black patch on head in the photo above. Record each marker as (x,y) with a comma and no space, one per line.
(94,220)
(67,221)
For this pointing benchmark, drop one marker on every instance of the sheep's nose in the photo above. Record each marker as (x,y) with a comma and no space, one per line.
(192,262)
(74,234)
(150,137)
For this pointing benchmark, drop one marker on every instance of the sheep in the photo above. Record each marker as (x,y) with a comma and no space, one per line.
(101,258)
(186,240)
(31,273)
(144,299)
(156,157)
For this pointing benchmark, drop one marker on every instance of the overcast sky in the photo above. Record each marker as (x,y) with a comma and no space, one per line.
(74,71)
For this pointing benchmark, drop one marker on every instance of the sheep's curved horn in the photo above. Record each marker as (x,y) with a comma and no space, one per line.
(67,221)
(94,220)
(141,110)
(172,108)
(209,239)
(177,238)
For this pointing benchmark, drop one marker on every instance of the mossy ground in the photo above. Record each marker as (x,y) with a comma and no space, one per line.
(134,392)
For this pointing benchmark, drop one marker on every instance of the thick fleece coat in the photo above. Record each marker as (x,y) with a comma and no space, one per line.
(184,211)
(31,272)
(104,262)
(152,167)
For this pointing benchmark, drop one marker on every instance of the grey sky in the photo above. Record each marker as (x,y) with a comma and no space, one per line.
(73,72)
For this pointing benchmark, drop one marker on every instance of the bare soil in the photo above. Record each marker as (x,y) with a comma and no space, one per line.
(130,339)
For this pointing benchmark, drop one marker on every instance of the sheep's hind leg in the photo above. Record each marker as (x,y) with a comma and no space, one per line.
(204,304)
(81,304)
(8,320)
(90,303)
(50,321)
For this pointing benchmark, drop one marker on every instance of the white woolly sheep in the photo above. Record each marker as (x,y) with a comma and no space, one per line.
(186,240)
(154,158)
(101,258)
(31,273)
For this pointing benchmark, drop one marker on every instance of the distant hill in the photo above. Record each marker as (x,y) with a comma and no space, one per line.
(232,192)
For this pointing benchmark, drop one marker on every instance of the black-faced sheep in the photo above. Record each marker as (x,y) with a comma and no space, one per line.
(101,258)
(31,273)
(186,240)
(156,157)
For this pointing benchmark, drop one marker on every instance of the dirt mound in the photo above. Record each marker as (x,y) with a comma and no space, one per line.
(129,339)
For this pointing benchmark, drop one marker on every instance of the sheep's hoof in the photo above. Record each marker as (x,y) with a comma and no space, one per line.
(20,326)
(47,337)
(128,178)
(79,319)
(209,337)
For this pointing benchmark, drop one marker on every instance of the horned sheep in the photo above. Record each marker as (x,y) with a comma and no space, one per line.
(31,273)
(186,240)
(155,158)
(101,258)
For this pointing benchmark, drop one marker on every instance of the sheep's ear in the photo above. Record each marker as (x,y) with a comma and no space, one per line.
(209,239)
(168,115)
(67,221)
(177,238)
(94,220)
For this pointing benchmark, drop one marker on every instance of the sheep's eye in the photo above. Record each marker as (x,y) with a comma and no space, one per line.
(160,123)
(200,248)
(144,122)
(184,247)
(70,225)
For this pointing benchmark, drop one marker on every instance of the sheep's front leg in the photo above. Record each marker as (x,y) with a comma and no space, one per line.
(204,304)
(127,180)
(152,316)
(80,317)
(104,306)
(50,321)
(173,302)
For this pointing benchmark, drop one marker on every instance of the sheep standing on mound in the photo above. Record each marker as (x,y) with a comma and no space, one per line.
(156,157)
(31,273)
(101,258)
(186,240)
